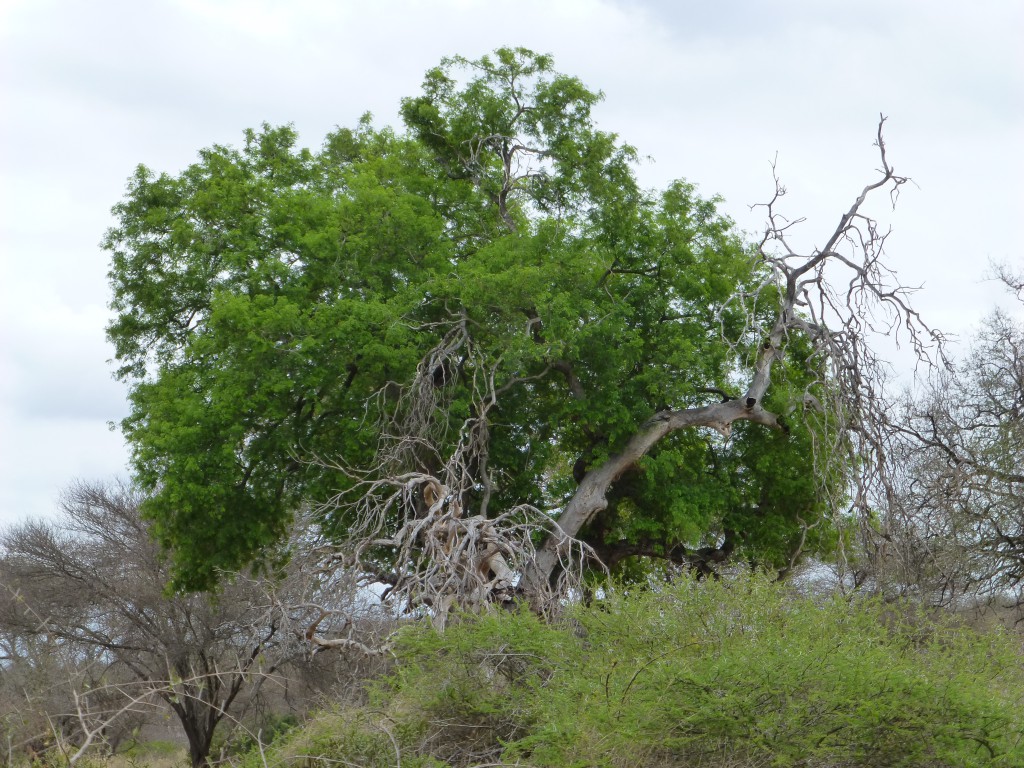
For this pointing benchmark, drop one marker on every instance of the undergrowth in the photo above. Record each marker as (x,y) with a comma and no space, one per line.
(739,672)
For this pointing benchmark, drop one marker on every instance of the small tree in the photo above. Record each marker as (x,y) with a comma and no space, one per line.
(955,524)
(94,582)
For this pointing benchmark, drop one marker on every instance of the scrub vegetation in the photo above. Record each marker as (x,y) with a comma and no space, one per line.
(739,671)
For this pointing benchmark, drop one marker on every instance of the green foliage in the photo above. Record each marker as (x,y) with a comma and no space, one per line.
(155,748)
(271,300)
(269,728)
(736,672)
(261,302)
(361,737)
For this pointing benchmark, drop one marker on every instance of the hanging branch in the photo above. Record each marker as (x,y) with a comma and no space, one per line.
(439,556)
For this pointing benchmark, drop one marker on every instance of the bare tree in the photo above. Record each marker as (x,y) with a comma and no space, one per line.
(94,583)
(955,526)
(56,695)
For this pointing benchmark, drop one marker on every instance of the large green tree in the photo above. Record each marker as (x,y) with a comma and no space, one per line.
(487,315)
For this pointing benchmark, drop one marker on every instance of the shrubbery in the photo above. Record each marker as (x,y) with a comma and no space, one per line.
(738,672)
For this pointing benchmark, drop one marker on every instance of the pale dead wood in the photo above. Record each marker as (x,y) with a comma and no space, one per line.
(409,529)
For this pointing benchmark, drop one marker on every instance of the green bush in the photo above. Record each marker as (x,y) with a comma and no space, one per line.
(362,737)
(270,728)
(738,672)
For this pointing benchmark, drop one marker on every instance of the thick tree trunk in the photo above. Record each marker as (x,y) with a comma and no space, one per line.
(592,495)
(200,737)
(199,750)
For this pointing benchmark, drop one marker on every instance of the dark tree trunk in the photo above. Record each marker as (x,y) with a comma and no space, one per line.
(199,721)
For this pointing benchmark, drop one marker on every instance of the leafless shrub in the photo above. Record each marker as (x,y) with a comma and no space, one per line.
(952,530)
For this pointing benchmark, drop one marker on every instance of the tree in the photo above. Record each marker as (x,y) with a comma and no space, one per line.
(459,335)
(954,528)
(38,682)
(93,584)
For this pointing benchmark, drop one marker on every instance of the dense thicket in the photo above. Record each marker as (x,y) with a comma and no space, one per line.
(737,672)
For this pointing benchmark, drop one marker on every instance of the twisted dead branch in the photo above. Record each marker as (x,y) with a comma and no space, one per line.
(410,530)
(839,322)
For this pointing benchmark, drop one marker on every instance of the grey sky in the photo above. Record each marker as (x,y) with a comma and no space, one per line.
(711,91)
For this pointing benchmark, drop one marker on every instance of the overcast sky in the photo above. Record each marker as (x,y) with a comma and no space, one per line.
(711,91)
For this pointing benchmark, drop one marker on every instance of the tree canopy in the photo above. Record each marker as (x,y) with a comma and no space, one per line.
(489,300)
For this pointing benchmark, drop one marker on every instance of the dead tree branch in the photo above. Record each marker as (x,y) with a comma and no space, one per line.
(838,322)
